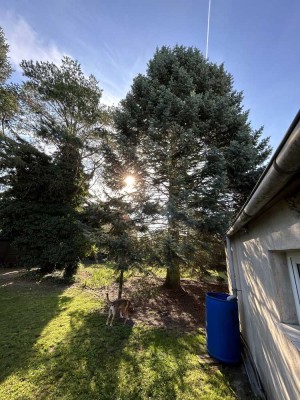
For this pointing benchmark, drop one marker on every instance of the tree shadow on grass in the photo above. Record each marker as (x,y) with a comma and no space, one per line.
(85,365)
(25,311)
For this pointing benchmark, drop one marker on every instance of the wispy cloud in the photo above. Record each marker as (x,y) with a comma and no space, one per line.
(109,99)
(25,43)
(120,72)
(115,70)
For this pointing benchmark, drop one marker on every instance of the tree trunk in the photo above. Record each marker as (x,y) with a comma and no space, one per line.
(173,277)
(121,279)
(173,262)
(173,272)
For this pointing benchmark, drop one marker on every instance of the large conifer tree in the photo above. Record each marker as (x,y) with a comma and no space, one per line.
(183,131)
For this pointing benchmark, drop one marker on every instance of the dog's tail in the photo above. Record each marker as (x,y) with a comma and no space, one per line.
(107,298)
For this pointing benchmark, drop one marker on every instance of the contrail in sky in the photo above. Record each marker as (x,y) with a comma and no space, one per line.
(207,35)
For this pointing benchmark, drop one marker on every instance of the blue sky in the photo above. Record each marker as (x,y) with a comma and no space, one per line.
(258,41)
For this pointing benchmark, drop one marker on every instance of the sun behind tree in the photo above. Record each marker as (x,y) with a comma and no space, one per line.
(129,180)
(183,128)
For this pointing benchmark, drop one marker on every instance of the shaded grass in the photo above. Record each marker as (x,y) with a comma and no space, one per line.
(55,345)
(23,316)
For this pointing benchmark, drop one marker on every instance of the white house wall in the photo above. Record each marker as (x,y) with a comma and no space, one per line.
(266,303)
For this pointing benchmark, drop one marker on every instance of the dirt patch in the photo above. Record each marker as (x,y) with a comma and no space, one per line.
(21,277)
(11,273)
(9,276)
(156,306)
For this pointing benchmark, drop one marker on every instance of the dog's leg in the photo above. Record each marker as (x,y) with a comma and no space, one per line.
(126,317)
(126,314)
(113,316)
(109,315)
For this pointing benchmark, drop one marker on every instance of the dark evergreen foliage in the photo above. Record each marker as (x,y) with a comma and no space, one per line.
(38,211)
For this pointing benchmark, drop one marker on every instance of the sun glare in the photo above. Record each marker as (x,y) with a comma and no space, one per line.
(129,181)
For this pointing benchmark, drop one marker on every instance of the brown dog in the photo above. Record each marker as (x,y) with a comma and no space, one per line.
(123,306)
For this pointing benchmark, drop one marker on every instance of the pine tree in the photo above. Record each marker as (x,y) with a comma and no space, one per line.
(5,67)
(179,129)
(59,100)
(8,92)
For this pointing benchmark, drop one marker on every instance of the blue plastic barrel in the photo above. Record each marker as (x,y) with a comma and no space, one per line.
(222,328)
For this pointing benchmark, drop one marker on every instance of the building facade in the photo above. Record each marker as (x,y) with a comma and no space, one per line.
(263,258)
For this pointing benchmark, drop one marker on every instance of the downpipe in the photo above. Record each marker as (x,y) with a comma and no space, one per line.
(231,268)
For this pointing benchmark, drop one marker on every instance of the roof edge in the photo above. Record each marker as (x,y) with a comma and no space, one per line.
(284,163)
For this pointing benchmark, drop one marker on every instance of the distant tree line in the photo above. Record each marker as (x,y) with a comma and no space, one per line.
(181,134)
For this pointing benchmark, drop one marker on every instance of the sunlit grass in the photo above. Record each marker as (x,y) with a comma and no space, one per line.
(213,275)
(96,275)
(102,275)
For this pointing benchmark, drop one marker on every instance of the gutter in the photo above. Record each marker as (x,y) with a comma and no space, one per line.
(283,165)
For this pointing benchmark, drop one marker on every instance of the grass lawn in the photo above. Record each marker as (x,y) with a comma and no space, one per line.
(55,345)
